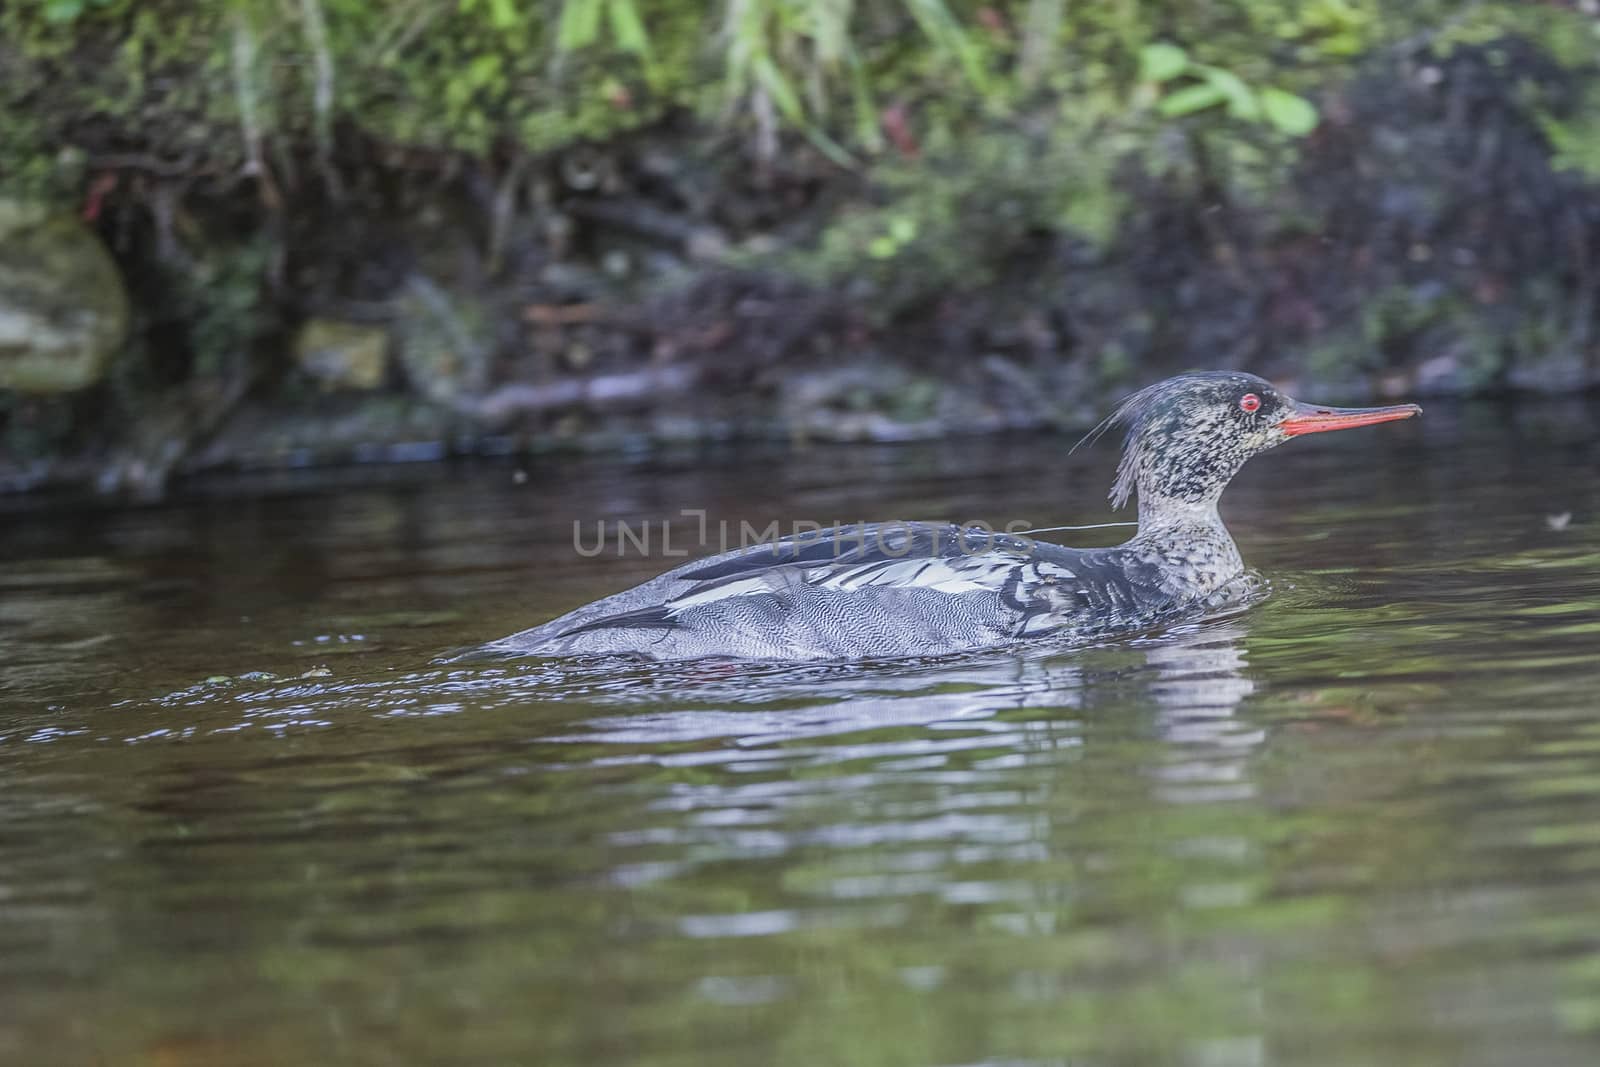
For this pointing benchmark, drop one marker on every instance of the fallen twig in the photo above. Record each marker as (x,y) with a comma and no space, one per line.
(560,314)
(522,398)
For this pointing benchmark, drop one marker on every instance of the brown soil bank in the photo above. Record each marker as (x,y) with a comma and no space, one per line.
(284,233)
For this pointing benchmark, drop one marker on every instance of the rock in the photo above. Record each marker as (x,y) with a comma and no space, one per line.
(63,307)
(343,355)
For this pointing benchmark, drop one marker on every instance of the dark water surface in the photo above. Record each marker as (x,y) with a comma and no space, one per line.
(1359,824)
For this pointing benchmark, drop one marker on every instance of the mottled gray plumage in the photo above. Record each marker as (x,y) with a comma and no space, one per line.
(914,589)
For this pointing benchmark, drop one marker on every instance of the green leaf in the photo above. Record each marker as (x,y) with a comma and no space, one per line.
(62,10)
(1160,62)
(770,78)
(777,86)
(502,14)
(628,28)
(579,26)
(1189,99)
(946,32)
(483,71)
(867,131)
(1242,103)
(1291,114)
(830,31)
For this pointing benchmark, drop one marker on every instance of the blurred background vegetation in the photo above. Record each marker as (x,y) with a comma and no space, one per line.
(288,231)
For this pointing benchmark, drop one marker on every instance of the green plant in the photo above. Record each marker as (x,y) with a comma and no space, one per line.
(1187,87)
(581,19)
(69,10)
(786,58)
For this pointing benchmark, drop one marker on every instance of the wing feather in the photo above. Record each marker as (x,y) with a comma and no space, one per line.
(1034,592)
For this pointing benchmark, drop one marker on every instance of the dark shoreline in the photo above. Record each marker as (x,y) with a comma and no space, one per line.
(1572,421)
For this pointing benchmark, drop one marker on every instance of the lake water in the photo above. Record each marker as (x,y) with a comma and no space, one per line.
(1357,824)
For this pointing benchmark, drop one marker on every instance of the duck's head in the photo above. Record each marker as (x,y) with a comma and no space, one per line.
(1188,436)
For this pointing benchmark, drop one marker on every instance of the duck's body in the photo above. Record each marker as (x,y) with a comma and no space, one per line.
(889,590)
(894,589)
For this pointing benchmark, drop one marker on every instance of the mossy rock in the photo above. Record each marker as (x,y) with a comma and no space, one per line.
(343,355)
(63,307)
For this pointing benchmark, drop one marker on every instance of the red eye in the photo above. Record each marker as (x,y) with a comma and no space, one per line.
(1250,402)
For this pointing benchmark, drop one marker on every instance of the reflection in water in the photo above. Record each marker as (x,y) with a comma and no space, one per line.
(1354,825)
(1198,685)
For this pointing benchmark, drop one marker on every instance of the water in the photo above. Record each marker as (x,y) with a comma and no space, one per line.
(1359,824)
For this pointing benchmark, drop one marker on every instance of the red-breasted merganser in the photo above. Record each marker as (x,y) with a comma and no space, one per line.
(900,589)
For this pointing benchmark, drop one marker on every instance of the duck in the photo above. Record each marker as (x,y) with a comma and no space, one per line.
(893,590)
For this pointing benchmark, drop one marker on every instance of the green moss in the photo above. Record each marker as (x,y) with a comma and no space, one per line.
(947,223)
(463,76)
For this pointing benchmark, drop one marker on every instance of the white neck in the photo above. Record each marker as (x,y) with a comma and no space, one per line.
(1160,512)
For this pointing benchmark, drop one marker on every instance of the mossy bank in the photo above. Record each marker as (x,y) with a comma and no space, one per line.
(325,230)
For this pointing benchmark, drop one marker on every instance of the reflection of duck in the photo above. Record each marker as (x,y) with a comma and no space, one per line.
(1199,681)
(760,707)
(1191,676)
(911,589)
(1198,685)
